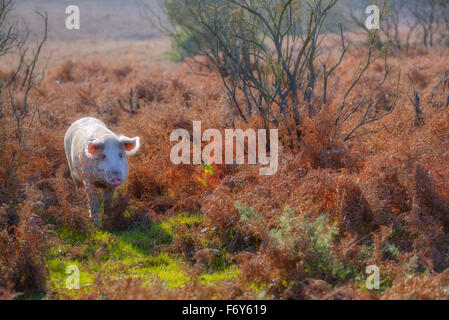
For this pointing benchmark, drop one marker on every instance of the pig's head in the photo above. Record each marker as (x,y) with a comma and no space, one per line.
(110,158)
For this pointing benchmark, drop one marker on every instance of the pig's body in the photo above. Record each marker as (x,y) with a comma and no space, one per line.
(97,160)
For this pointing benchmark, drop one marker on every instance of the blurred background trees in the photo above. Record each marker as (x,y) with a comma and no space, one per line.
(408,23)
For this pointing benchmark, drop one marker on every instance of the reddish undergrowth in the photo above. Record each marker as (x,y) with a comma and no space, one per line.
(386,192)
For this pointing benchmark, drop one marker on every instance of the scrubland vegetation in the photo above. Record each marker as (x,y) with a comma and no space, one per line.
(363,173)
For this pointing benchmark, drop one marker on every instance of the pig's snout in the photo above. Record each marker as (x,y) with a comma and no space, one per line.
(116,179)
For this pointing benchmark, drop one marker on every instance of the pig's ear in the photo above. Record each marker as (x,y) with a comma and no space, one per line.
(131,145)
(93,148)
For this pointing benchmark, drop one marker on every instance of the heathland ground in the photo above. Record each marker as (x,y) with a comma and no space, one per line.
(223,231)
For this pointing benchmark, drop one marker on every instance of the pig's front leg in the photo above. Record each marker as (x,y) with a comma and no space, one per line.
(108,193)
(92,196)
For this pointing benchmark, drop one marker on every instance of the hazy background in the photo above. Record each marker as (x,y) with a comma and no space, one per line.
(110,29)
(100,19)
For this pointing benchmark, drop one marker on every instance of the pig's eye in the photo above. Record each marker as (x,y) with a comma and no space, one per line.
(103,157)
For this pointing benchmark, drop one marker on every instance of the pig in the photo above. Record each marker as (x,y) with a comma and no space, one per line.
(97,160)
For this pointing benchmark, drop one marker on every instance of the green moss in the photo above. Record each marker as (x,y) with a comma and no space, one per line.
(184,219)
(134,253)
(231,272)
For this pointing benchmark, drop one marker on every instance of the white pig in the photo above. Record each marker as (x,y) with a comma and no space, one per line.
(97,160)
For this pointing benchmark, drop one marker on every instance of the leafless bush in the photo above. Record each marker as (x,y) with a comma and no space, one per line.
(364,109)
(10,36)
(21,239)
(266,53)
(16,87)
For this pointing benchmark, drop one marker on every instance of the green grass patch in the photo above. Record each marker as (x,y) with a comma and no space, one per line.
(231,272)
(134,253)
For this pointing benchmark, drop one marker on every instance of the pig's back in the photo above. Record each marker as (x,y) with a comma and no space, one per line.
(85,125)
